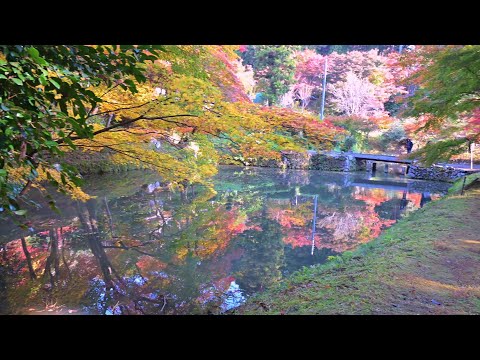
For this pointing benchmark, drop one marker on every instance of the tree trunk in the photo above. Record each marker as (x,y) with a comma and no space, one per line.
(63,253)
(33,276)
(109,216)
(89,221)
(53,258)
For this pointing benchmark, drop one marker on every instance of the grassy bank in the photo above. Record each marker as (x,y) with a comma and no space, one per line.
(427,263)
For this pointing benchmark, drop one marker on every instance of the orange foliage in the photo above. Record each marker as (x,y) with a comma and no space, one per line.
(149,264)
(372,197)
(218,233)
(301,237)
(289,216)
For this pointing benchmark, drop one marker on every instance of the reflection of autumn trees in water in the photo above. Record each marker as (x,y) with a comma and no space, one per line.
(358,222)
(260,264)
(156,252)
(294,217)
(166,277)
(343,226)
(349,229)
(118,266)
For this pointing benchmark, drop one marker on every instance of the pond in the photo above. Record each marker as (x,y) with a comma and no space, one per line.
(137,248)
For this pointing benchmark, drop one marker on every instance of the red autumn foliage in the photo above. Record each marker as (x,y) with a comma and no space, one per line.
(148,264)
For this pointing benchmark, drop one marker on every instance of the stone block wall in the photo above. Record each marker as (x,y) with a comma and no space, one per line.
(311,160)
(296,160)
(436,173)
(361,165)
(265,163)
(345,162)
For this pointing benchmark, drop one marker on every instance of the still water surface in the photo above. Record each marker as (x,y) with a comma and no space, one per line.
(138,248)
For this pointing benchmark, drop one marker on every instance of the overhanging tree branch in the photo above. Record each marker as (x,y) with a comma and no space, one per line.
(130,121)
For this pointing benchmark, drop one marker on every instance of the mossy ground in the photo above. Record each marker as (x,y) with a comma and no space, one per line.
(427,263)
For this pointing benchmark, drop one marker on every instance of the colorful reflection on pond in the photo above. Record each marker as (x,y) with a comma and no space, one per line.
(138,248)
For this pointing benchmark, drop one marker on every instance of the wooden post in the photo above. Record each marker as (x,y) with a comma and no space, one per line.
(374,167)
(463,185)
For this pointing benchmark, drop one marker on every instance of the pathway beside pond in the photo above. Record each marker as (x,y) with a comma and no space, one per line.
(427,263)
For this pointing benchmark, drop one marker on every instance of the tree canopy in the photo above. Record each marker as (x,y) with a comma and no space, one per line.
(447,99)
(174,109)
(181,110)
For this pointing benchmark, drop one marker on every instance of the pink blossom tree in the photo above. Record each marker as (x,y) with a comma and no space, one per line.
(354,96)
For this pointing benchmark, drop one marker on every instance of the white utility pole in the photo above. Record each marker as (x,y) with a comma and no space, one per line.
(472,147)
(324,86)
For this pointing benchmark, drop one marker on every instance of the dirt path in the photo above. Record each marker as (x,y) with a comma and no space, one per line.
(427,263)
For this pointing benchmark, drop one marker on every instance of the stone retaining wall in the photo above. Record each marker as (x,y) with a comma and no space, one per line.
(296,160)
(345,162)
(266,163)
(336,162)
(312,160)
(436,173)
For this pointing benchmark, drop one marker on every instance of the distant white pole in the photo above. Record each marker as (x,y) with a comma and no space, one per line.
(324,87)
(472,146)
